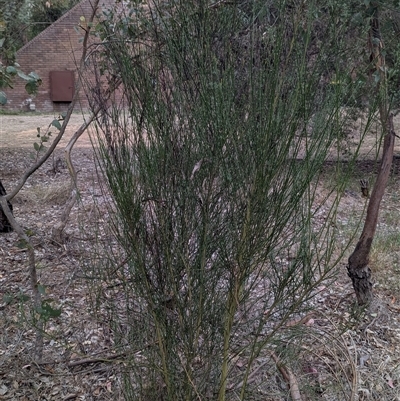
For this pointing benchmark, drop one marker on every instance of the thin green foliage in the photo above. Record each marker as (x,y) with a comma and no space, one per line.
(212,155)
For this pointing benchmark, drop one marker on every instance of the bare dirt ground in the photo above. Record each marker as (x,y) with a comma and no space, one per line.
(79,360)
(19,131)
(76,336)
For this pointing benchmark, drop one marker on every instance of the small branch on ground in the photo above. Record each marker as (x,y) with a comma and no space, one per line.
(288,377)
(87,361)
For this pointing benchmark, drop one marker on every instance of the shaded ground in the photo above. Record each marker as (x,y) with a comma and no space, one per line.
(80,362)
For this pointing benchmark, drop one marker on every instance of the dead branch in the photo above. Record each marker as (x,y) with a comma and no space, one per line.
(59,227)
(71,397)
(87,361)
(288,377)
(304,320)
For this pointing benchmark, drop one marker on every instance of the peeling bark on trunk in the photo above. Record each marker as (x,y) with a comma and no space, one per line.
(360,273)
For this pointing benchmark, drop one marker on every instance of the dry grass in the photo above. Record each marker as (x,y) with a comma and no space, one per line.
(51,193)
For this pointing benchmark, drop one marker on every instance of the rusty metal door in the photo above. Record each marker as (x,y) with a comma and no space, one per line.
(62,85)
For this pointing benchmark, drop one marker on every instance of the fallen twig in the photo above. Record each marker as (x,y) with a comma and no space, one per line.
(95,360)
(289,378)
(70,397)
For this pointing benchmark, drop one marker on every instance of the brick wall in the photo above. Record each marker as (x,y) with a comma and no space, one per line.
(57,48)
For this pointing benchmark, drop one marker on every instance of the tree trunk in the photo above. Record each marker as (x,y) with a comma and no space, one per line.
(358,267)
(5,226)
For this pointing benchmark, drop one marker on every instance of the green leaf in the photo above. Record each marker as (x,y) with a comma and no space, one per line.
(36,146)
(41,289)
(46,311)
(54,312)
(21,244)
(7,299)
(56,123)
(23,297)
(34,76)
(3,98)
(2,41)
(11,70)
(23,76)
(31,87)
(29,232)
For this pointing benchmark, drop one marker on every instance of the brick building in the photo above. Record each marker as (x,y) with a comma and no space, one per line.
(54,55)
